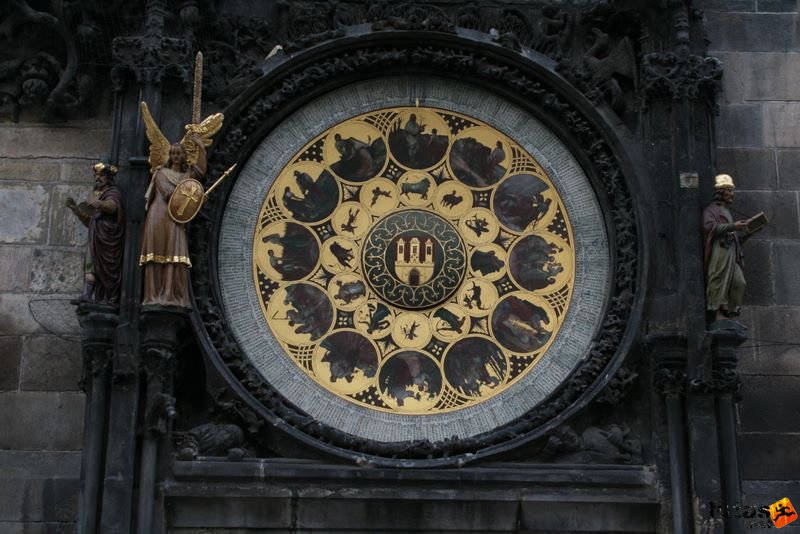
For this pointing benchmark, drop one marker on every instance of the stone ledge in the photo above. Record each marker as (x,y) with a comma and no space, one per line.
(505,475)
(282,494)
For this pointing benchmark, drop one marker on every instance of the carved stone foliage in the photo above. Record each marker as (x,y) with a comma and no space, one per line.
(50,56)
(672,76)
(280,93)
(617,387)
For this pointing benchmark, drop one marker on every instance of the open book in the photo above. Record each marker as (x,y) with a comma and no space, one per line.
(756,222)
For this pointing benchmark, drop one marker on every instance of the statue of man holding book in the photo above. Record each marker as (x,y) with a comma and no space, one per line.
(723,238)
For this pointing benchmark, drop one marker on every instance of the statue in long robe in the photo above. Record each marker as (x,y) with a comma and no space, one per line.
(723,238)
(104,216)
(165,249)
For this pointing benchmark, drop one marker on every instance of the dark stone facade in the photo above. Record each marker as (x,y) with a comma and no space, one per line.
(663,418)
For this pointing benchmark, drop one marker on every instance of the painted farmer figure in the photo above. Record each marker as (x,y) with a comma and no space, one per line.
(723,237)
(104,215)
(165,249)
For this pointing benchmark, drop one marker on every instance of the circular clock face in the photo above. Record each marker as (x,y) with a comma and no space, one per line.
(412,268)
(413,260)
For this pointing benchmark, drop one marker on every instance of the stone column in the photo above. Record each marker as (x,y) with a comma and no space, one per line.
(726,336)
(669,352)
(159,346)
(98,335)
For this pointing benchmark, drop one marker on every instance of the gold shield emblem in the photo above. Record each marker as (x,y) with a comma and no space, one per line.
(186,201)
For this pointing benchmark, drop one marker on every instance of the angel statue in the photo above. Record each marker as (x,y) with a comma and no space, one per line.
(165,250)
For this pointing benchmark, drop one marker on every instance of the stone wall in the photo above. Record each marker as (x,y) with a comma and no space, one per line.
(758,142)
(41,264)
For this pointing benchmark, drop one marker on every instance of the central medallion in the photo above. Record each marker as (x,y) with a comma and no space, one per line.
(414,259)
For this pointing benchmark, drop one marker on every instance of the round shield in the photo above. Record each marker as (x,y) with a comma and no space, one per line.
(186,201)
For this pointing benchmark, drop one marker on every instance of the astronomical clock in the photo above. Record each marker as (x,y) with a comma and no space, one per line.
(412,259)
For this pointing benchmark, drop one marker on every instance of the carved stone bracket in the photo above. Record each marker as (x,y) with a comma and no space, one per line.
(160,331)
(669,352)
(295,84)
(98,335)
(726,338)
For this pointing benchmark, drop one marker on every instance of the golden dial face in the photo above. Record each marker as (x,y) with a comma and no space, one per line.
(414,260)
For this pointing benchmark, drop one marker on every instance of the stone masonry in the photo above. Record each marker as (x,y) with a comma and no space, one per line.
(41,265)
(758,143)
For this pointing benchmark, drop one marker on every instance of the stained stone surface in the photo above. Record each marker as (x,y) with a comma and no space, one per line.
(241,298)
(23,214)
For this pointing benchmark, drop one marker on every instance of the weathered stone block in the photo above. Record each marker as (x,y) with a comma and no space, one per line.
(77,139)
(38,527)
(23,214)
(780,124)
(79,170)
(15,268)
(15,315)
(57,271)
(751,168)
(789,169)
(761,76)
(10,357)
(37,464)
(781,210)
(740,125)
(41,421)
(65,227)
(726,5)
(749,362)
(787,288)
(770,457)
(759,271)
(769,404)
(752,32)
(774,6)
(34,170)
(772,339)
(38,500)
(50,363)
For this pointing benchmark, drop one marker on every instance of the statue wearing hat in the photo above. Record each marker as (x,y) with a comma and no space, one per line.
(723,238)
(104,216)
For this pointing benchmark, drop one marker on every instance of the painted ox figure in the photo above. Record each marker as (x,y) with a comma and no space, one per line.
(418,188)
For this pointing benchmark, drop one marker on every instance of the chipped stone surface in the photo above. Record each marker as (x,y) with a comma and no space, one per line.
(36,420)
(50,363)
(15,268)
(88,139)
(23,214)
(65,227)
(57,271)
(15,315)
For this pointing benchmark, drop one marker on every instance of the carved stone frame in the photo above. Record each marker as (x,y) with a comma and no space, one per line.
(525,78)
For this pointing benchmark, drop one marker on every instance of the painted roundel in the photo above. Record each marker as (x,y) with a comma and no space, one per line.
(413,260)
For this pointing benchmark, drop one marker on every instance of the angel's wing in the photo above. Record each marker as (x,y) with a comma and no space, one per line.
(159,145)
(206,129)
